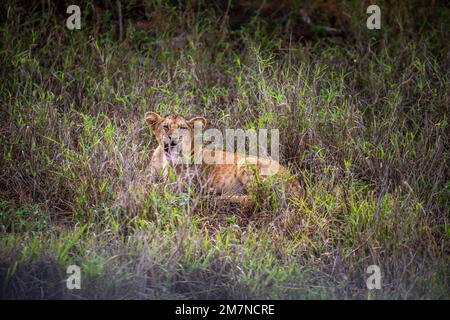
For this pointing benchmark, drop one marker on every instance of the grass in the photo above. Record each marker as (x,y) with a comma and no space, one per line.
(363,120)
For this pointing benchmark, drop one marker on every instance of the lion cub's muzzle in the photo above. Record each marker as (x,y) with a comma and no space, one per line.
(172,149)
(170,146)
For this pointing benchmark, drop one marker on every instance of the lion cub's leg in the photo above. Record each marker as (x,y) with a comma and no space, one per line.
(241,202)
(223,181)
(241,199)
(158,167)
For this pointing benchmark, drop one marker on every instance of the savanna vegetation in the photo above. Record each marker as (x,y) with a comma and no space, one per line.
(363,120)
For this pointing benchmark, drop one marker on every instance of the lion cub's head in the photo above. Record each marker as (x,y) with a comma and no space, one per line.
(175,134)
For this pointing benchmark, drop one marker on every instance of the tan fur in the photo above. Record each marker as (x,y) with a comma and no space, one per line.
(229,180)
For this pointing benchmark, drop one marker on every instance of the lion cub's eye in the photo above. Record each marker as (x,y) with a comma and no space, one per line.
(166,126)
(184,127)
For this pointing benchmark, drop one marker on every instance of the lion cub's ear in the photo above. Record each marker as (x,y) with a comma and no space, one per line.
(197,120)
(152,120)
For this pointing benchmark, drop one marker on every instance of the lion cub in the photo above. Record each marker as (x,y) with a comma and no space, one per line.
(228,174)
